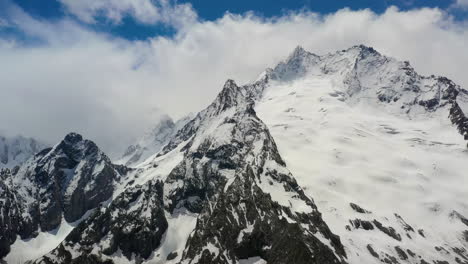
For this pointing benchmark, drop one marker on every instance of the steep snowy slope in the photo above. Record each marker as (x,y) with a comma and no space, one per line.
(372,141)
(230,177)
(16,150)
(152,141)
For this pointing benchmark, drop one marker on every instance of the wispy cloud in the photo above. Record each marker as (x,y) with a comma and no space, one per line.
(144,11)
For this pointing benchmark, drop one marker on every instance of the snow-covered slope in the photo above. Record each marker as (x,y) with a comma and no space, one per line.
(16,150)
(152,141)
(373,143)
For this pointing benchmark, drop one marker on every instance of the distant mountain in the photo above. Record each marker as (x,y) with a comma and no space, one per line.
(58,184)
(152,141)
(15,150)
(348,157)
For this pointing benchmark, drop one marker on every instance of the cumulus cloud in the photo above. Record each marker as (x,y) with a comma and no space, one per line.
(110,89)
(143,11)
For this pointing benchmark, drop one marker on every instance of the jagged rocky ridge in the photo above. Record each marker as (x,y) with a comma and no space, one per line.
(233,178)
(62,182)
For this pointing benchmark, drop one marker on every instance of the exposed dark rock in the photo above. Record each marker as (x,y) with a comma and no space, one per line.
(461,252)
(171,256)
(405,225)
(421,232)
(363,224)
(441,249)
(134,223)
(465,235)
(463,219)
(390,231)
(390,259)
(459,119)
(372,251)
(359,209)
(12,222)
(271,237)
(430,104)
(401,253)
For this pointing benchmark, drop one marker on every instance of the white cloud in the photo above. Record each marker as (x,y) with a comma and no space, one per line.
(144,11)
(107,88)
(461,4)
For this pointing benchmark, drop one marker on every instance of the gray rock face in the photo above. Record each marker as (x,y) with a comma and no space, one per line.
(133,223)
(12,221)
(237,216)
(62,182)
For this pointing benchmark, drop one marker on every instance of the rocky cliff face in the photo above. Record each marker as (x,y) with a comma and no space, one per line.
(62,182)
(133,224)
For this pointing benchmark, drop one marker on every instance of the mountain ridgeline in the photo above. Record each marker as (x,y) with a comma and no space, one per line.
(215,188)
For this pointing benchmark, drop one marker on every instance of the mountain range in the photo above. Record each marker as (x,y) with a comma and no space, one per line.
(348,157)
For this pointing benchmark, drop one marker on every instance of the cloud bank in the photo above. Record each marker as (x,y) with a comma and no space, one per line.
(112,89)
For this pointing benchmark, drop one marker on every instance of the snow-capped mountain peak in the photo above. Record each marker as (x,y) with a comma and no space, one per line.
(153,140)
(356,126)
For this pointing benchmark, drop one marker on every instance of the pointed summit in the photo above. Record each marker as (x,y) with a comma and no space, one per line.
(296,65)
(299,51)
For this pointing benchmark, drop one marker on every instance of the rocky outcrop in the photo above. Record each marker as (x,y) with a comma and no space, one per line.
(12,220)
(132,224)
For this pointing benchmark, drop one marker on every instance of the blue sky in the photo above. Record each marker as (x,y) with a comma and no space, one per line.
(209,10)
